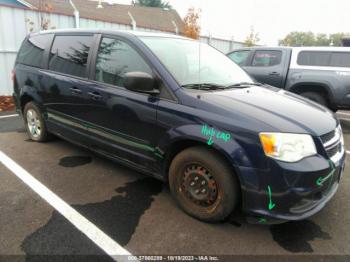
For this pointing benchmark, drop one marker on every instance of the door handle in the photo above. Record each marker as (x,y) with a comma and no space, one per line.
(95,95)
(274,74)
(75,91)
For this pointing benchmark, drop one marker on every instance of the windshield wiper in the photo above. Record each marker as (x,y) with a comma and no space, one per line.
(204,86)
(244,84)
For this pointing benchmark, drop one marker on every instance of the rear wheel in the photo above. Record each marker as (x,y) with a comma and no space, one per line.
(35,124)
(203,184)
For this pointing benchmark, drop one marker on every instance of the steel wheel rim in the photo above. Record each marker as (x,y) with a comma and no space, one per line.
(33,123)
(199,186)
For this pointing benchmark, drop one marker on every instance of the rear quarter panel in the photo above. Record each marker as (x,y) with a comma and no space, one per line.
(337,83)
(28,81)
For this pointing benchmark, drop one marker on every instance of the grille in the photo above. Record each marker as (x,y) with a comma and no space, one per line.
(327,137)
(332,142)
(334,150)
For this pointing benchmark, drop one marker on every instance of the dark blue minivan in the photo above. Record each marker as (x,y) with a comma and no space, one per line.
(182,112)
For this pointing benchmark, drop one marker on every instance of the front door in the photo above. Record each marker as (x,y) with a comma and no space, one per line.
(121,122)
(266,67)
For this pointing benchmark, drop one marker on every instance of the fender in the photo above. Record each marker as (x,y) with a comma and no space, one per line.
(203,134)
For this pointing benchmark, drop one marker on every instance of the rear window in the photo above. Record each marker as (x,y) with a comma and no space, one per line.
(32,50)
(340,59)
(319,58)
(314,58)
(69,55)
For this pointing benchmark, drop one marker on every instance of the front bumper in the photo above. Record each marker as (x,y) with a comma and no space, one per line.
(289,191)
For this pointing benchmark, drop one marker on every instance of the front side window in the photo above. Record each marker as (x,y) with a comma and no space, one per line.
(69,55)
(194,63)
(267,58)
(239,57)
(314,58)
(115,58)
(32,50)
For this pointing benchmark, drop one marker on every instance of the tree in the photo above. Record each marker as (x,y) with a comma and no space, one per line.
(322,40)
(153,3)
(298,39)
(44,8)
(310,39)
(252,39)
(336,39)
(192,28)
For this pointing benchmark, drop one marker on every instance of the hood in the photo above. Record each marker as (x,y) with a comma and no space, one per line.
(275,109)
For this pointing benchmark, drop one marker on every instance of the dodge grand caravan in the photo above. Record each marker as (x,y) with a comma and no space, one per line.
(182,112)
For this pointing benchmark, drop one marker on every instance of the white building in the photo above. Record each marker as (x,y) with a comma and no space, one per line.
(20,17)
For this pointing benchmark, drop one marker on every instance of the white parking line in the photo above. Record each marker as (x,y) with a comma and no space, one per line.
(102,240)
(7,116)
(348,152)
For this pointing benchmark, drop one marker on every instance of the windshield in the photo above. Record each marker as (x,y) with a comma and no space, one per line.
(194,63)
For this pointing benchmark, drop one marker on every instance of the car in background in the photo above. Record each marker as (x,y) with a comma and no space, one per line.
(321,74)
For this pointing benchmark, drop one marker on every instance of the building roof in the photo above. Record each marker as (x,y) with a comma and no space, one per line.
(12,3)
(146,17)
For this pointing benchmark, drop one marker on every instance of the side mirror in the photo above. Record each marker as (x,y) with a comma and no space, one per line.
(140,82)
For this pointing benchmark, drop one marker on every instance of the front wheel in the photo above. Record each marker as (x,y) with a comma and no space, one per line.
(203,184)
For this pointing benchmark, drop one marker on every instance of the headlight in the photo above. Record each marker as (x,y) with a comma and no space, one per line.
(287,147)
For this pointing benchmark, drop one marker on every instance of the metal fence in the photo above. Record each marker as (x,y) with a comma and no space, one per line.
(224,46)
(16,23)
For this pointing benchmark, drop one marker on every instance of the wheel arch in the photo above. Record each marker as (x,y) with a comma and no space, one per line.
(179,145)
(316,87)
(25,99)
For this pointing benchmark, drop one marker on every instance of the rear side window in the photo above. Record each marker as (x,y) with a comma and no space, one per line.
(69,55)
(340,59)
(314,58)
(115,58)
(239,57)
(32,50)
(265,58)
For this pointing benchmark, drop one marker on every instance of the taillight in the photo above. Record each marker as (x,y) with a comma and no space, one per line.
(13,76)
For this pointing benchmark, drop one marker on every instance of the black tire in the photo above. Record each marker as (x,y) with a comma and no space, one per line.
(216,173)
(41,134)
(316,97)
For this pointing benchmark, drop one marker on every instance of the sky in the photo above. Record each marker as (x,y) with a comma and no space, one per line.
(272,19)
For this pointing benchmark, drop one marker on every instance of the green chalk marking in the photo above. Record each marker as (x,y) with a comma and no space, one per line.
(271,204)
(212,133)
(321,179)
(158,155)
(262,220)
(210,141)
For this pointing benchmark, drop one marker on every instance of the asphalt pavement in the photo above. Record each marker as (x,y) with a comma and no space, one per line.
(138,213)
